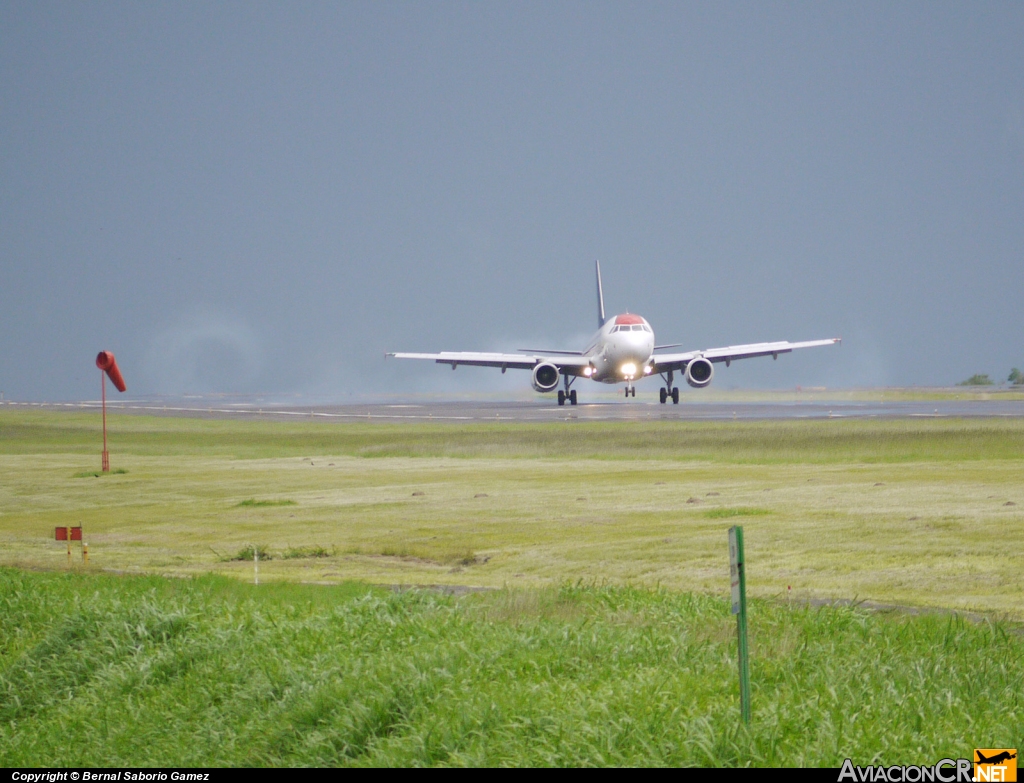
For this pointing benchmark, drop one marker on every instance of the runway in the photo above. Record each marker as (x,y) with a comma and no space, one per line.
(543,410)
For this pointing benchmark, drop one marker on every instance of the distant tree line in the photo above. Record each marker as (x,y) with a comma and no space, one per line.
(1016,378)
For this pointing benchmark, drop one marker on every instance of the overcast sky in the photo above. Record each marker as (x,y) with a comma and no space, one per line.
(248,197)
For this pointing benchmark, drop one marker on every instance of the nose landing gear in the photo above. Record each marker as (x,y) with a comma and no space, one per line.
(630,390)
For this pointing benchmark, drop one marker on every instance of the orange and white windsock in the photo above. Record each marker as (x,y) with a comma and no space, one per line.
(105,361)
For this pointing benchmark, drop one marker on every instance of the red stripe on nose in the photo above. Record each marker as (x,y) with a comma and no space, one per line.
(628,319)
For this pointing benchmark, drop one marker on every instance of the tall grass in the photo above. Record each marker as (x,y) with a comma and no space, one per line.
(99,670)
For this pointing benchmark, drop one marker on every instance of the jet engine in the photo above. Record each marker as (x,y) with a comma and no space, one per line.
(545,377)
(699,373)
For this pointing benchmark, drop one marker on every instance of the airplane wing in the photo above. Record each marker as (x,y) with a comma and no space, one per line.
(677,361)
(567,365)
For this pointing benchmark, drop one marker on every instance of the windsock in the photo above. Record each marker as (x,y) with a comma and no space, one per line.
(105,361)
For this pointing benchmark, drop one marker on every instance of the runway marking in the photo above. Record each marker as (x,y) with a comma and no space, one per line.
(257,412)
(602,411)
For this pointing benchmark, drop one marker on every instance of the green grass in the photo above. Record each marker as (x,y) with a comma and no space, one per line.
(834,441)
(98,473)
(146,671)
(725,513)
(300,552)
(606,641)
(914,512)
(248,554)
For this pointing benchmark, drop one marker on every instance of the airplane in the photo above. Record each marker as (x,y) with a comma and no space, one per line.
(623,350)
(1004,756)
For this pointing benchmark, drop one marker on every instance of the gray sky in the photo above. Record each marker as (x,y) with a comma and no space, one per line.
(266,197)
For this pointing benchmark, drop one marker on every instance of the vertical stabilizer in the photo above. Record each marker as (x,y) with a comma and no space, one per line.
(600,297)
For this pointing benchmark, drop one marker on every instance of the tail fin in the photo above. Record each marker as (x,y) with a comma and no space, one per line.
(600,297)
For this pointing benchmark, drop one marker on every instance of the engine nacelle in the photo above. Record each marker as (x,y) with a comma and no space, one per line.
(545,377)
(699,373)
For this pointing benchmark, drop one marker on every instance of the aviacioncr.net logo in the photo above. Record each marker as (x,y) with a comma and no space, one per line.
(945,771)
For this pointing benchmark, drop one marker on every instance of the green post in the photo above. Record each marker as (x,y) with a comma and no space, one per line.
(738,583)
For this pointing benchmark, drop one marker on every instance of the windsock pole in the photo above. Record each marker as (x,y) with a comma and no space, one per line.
(103,395)
(108,366)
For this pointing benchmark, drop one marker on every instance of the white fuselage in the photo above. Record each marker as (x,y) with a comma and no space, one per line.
(621,349)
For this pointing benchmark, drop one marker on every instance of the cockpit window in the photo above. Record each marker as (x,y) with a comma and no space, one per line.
(638,327)
(647,328)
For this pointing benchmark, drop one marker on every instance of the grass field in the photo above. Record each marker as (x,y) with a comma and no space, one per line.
(923,512)
(605,641)
(98,670)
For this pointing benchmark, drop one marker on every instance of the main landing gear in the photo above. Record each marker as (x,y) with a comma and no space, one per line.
(568,394)
(668,390)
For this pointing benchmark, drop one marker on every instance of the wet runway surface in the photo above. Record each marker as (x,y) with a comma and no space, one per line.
(544,410)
